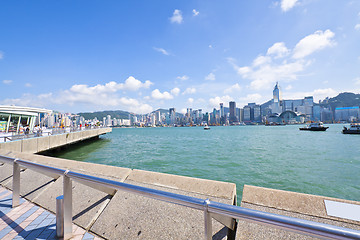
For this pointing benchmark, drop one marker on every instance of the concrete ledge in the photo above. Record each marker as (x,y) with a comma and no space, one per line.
(292,204)
(39,144)
(74,137)
(291,201)
(57,140)
(130,216)
(43,143)
(29,145)
(195,185)
(14,146)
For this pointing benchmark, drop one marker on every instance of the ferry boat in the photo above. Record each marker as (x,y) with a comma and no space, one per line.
(317,126)
(354,129)
(206,127)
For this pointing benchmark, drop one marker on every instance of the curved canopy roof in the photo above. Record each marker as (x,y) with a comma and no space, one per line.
(288,114)
(23,110)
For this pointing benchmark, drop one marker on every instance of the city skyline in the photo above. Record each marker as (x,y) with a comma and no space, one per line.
(114,55)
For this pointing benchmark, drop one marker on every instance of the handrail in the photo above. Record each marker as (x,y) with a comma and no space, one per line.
(54,131)
(210,208)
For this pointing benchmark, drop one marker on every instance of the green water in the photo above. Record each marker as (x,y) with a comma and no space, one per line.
(281,157)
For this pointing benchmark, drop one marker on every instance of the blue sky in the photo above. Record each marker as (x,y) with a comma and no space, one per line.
(139,56)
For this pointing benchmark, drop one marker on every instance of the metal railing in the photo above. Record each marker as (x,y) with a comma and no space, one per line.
(211,209)
(47,132)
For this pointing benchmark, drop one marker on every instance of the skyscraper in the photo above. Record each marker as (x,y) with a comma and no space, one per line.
(275,106)
(172,115)
(232,110)
(221,110)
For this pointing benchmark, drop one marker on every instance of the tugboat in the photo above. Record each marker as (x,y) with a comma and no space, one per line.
(317,126)
(354,129)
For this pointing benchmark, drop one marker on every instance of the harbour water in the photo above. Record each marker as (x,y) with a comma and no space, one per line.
(280,157)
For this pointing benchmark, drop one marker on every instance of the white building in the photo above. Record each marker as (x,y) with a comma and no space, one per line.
(13,119)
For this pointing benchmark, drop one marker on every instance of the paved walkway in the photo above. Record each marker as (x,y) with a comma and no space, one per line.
(29,221)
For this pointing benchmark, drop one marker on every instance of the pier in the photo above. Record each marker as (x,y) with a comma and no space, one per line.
(44,143)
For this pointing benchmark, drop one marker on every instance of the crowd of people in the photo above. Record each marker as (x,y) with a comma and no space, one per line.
(38,130)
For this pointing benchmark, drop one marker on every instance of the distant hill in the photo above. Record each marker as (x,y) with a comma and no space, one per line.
(100,115)
(345,99)
(118,114)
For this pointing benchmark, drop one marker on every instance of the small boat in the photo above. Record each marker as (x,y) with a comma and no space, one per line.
(206,127)
(354,129)
(317,126)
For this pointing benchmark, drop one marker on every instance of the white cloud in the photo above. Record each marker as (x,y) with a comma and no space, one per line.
(176,17)
(28,85)
(175,91)
(25,100)
(130,84)
(260,60)
(264,76)
(1,55)
(161,50)
(281,63)
(234,88)
(189,91)
(214,102)
(357,81)
(98,96)
(286,5)
(357,26)
(190,100)
(254,97)
(103,95)
(279,50)
(183,78)
(7,82)
(195,13)
(313,42)
(183,110)
(289,87)
(156,94)
(133,84)
(210,46)
(210,77)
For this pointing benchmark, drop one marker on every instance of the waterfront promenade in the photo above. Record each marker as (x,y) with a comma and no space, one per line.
(29,221)
(118,214)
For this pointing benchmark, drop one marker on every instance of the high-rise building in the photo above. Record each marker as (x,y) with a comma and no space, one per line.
(172,115)
(157,117)
(108,121)
(275,106)
(232,111)
(347,113)
(222,113)
(257,113)
(247,113)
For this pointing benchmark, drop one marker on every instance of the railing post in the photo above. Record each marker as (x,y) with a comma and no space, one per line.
(16,184)
(60,216)
(67,190)
(208,221)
